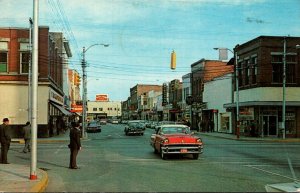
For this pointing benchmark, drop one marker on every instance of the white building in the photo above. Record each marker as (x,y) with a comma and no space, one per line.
(100,109)
(217,93)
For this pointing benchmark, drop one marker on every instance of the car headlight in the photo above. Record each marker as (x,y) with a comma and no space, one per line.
(165,141)
(198,140)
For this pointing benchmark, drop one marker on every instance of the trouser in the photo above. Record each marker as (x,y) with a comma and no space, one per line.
(27,145)
(74,152)
(4,150)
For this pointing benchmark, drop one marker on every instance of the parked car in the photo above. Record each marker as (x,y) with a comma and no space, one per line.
(103,121)
(93,127)
(134,128)
(176,139)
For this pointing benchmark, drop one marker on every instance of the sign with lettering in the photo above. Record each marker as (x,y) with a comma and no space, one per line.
(55,97)
(102,97)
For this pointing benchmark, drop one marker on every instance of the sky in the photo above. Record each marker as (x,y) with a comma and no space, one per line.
(143,33)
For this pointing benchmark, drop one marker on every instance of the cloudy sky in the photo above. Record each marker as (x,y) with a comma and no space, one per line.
(143,33)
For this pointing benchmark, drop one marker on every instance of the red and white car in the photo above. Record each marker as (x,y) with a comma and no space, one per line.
(176,139)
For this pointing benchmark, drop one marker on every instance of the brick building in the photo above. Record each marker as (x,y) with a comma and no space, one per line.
(260,76)
(14,64)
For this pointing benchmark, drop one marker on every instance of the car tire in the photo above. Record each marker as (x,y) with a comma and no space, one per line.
(195,156)
(163,155)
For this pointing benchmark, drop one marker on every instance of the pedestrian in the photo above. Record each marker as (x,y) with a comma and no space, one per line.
(27,137)
(50,126)
(5,139)
(74,145)
(58,125)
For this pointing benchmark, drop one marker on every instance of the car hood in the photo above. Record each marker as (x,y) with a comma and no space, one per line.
(180,138)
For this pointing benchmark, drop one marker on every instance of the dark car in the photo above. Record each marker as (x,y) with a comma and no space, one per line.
(134,128)
(93,127)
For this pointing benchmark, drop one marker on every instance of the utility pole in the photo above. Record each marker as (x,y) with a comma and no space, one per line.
(34,94)
(283,88)
(237,96)
(29,68)
(84,92)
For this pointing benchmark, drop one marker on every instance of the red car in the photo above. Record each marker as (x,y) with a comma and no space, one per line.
(176,139)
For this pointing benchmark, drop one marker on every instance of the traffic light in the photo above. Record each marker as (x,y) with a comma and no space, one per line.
(173,60)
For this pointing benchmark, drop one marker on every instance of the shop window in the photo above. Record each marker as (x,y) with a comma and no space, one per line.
(3,61)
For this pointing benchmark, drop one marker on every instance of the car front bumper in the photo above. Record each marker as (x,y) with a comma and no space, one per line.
(182,149)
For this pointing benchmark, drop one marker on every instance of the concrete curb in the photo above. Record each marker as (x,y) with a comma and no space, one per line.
(250,139)
(42,184)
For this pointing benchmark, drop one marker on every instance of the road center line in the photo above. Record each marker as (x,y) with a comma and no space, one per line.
(272,173)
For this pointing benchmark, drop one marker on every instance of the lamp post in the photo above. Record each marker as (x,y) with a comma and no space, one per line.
(84,86)
(237,90)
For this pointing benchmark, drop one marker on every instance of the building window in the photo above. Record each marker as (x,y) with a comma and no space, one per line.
(240,73)
(100,109)
(3,61)
(246,70)
(277,68)
(254,70)
(24,60)
(94,109)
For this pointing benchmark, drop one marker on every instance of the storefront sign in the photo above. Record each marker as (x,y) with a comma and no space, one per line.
(102,97)
(55,97)
(247,113)
(76,108)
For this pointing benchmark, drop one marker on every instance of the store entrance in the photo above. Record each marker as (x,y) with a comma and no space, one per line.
(270,125)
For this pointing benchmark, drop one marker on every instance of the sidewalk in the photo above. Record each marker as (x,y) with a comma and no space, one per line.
(243,138)
(62,137)
(15,178)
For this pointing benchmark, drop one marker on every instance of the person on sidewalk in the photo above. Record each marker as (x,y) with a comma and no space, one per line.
(74,145)
(27,137)
(5,139)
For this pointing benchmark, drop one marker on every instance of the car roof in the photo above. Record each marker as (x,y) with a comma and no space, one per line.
(170,125)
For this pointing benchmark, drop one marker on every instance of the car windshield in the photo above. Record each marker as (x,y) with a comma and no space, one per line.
(173,130)
(93,124)
(133,124)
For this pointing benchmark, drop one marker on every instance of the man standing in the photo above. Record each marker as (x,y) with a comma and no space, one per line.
(74,145)
(27,137)
(5,139)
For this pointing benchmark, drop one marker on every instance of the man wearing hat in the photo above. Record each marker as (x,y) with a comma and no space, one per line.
(5,139)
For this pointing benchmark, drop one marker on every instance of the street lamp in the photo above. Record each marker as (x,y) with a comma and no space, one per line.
(237,91)
(84,85)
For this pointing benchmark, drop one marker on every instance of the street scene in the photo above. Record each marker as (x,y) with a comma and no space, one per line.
(150,96)
(112,161)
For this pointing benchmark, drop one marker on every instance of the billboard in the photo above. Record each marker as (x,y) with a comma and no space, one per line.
(102,97)
(76,108)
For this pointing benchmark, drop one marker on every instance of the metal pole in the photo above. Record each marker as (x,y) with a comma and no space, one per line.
(283,88)
(237,97)
(84,92)
(29,68)
(33,173)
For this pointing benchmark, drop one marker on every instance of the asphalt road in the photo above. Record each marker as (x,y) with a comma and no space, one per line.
(113,162)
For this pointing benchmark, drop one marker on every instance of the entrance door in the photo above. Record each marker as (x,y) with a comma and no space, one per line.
(270,125)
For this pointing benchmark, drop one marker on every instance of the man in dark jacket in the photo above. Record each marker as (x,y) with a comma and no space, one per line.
(5,139)
(74,145)
(27,137)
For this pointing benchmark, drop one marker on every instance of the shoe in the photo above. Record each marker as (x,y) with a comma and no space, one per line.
(24,151)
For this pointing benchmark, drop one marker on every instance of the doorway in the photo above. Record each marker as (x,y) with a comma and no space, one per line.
(269,125)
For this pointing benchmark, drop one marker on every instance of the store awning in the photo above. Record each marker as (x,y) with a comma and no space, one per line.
(262,103)
(62,109)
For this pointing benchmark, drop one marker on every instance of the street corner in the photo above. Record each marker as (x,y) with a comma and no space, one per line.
(41,183)
(18,140)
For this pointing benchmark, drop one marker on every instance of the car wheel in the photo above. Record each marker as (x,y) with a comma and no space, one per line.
(162,155)
(195,156)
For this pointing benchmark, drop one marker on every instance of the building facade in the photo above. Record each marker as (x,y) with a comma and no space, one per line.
(260,80)
(99,109)
(15,57)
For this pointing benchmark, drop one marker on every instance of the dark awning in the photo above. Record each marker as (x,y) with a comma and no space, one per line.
(62,109)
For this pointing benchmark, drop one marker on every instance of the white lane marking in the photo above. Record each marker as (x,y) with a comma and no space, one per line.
(269,172)
(58,149)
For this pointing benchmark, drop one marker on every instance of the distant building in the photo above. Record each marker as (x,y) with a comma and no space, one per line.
(101,109)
